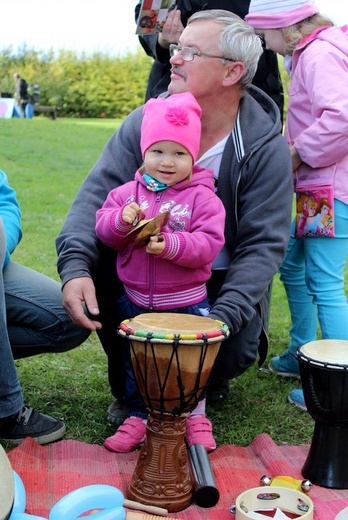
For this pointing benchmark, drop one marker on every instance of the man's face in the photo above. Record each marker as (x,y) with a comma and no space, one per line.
(203,75)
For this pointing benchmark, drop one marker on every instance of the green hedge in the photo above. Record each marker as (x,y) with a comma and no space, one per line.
(86,86)
(80,85)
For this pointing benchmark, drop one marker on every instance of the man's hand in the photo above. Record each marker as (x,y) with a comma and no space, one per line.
(75,292)
(172,30)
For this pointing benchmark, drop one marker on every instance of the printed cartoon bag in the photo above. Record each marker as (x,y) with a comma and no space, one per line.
(314,209)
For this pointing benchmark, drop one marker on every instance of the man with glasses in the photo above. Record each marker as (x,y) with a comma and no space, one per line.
(215,59)
(267,76)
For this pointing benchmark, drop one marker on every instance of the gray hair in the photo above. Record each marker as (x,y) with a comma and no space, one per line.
(238,40)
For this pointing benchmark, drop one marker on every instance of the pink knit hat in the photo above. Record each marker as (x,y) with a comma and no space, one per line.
(175,118)
(276,14)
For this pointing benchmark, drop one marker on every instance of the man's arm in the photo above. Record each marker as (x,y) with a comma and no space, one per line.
(259,242)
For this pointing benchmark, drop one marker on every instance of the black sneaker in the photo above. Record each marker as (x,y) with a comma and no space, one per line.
(117,413)
(29,423)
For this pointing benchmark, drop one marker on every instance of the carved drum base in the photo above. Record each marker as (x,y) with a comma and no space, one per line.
(162,475)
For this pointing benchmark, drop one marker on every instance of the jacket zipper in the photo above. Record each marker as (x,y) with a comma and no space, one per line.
(152,260)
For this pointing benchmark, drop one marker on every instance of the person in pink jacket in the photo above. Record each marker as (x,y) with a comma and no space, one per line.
(316,56)
(169,273)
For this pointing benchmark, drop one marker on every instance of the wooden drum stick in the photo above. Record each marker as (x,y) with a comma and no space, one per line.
(154,510)
(132,515)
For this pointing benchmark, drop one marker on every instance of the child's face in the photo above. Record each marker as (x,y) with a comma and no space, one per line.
(274,40)
(168,162)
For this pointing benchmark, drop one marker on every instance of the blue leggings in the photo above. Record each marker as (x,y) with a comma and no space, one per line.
(313,277)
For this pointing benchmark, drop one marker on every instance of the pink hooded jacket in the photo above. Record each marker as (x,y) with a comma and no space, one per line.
(317,117)
(193,235)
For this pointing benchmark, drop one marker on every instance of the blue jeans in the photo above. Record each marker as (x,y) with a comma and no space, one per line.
(313,277)
(128,309)
(29,111)
(32,321)
(19,111)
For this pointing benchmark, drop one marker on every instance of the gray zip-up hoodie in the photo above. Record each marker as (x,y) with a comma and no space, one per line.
(255,185)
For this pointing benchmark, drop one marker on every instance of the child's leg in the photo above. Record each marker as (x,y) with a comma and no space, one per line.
(325,270)
(199,429)
(131,434)
(304,320)
(303,311)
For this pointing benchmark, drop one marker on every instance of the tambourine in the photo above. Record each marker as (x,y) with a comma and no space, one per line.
(273,497)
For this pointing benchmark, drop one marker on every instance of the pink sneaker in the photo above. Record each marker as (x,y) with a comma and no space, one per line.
(129,436)
(199,430)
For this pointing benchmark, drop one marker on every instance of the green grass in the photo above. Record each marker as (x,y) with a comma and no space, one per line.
(46,162)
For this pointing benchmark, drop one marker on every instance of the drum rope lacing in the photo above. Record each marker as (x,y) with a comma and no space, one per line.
(187,401)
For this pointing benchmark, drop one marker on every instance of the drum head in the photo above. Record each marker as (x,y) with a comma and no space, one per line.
(6,486)
(326,351)
(164,326)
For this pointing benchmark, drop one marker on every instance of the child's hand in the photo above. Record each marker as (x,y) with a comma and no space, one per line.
(296,159)
(156,245)
(131,213)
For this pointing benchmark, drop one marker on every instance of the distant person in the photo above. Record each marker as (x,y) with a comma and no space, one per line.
(29,109)
(267,76)
(313,271)
(32,321)
(23,104)
(170,273)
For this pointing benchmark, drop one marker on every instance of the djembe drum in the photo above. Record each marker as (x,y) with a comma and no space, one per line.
(324,374)
(172,357)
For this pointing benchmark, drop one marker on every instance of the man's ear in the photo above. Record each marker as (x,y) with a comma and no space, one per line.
(233,73)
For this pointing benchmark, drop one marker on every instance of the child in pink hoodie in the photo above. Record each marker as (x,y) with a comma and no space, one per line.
(169,273)
(313,272)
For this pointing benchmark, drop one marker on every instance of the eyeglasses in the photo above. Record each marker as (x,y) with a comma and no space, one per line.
(188,54)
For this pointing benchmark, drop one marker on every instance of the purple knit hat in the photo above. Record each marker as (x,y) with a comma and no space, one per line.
(276,14)
(175,118)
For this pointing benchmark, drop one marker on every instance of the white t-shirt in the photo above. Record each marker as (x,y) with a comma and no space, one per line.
(212,159)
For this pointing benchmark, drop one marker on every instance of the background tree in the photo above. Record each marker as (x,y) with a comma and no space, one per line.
(80,85)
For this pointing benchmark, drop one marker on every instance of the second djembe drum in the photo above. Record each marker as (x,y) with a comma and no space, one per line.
(172,357)
(324,374)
